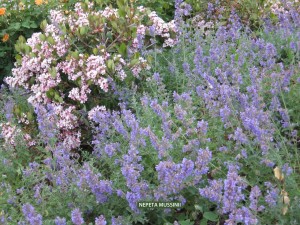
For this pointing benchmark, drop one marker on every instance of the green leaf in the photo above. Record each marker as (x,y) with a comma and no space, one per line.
(50,40)
(52,71)
(199,208)
(43,24)
(18,47)
(33,25)
(185,222)
(26,24)
(123,49)
(21,39)
(83,30)
(211,216)
(58,98)
(136,55)
(115,26)
(14,26)
(203,221)
(122,12)
(95,51)
(27,49)
(50,93)
(42,37)
(134,62)
(120,3)
(111,65)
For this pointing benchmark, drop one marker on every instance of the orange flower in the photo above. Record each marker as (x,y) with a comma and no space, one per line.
(38,2)
(5,37)
(2,11)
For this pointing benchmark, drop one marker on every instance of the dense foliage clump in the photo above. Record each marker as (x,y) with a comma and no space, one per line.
(108,107)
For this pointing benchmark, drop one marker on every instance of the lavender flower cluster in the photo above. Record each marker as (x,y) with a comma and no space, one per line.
(220,136)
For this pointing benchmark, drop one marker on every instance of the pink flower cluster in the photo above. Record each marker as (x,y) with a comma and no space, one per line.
(9,133)
(58,67)
(158,28)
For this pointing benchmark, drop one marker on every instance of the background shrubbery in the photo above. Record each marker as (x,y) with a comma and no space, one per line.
(24,17)
(107,109)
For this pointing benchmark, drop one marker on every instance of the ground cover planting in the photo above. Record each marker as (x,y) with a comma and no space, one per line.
(125,113)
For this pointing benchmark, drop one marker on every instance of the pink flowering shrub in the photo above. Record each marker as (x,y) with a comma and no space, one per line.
(78,56)
(9,133)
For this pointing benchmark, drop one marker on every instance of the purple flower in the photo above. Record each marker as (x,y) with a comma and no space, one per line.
(272,195)
(152,30)
(239,136)
(159,110)
(110,149)
(186,68)
(242,215)
(100,220)
(202,126)
(223,149)
(268,163)
(157,77)
(254,195)
(47,120)
(270,50)
(31,216)
(118,125)
(131,170)
(172,176)
(233,186)
(180,112)
(76,217)
(100,188)
(191,146)
(8,107)
(213,191)
(203,159)
(225,112)
(117,221)
(287,169)
(60,221)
